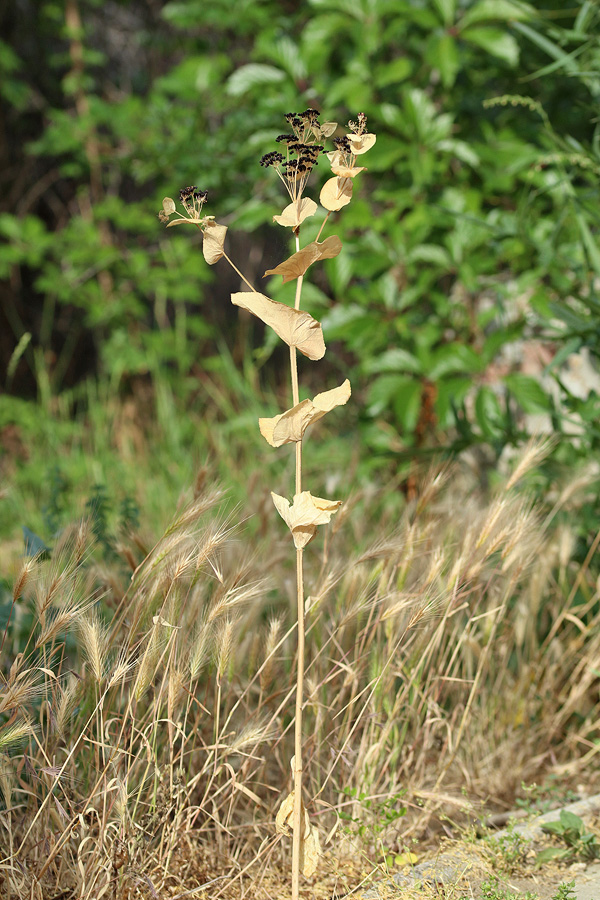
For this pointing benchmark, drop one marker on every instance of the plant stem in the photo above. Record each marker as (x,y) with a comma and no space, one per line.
(235,269)
(298,819)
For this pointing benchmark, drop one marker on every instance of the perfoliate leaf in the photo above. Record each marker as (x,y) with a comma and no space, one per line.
(291,425)
(295,327)
(296,213)
(297,264)
(335,157)
(335,193)
(325,130)
(310,845)
(213,241)
(283,820)
(347,171)
(310,852)
(304,515)
(360,143)
(183,222)
(168,206)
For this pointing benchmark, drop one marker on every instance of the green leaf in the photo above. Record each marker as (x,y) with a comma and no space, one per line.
(551,853)
(394,360)
(35,545)
(430,253)
(453,359)
(461,150)
(589,243)
(495,41)
(393,72)
(398,392)
(496,10)
(548,47)
(250,76)
(287,54)
(442,53)
(488,412)
(529,394)
(447,10)
(407,403)
(571,821)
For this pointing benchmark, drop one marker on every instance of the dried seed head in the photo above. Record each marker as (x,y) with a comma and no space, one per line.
(94,643)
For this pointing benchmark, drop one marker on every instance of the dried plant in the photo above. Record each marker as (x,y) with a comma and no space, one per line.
(449,650)
(301,332)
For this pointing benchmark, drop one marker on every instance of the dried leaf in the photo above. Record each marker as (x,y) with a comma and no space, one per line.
(310,845)
(168,206)
(310,852)
(297,264)
(325,130)
(283,820)
(213,241)
(296,213)
(335,193)
(295,327)
(305,514)
(360,143)
(347,171)
(291,425)
(183,222)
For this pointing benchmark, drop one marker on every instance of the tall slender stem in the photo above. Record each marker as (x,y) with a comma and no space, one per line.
(298,819)
(235,269)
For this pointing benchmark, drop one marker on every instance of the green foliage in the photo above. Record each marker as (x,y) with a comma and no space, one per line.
(545,797)
(507,851)
(572,831)
(477,236)
(375,816)
(565,891)
(492,890)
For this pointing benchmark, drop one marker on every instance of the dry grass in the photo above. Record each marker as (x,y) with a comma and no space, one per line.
(146,721)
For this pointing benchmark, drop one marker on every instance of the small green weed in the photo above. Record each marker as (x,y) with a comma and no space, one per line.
(565,891)
(376,818)
(579,842)
(542,798)
(491,889)
(508,850)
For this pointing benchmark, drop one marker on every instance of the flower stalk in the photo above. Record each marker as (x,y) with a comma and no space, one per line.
(303,334)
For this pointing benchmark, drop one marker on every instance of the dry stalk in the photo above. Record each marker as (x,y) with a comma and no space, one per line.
(301,332)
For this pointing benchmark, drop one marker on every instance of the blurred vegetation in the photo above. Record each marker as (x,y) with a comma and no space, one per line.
(465,302)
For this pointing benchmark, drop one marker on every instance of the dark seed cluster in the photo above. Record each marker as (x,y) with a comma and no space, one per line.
(360,126)
(272,159)
(192,192)
(343,144)
(301,150)
(193,199)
